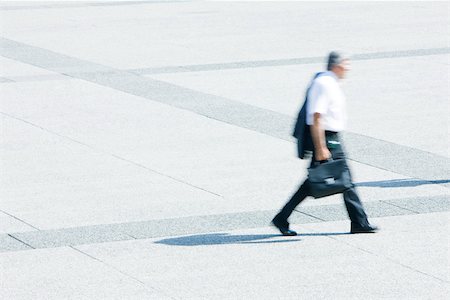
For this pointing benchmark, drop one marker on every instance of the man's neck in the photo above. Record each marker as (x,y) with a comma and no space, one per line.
(334,75)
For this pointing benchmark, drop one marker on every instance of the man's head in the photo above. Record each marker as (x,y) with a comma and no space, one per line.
(338,63)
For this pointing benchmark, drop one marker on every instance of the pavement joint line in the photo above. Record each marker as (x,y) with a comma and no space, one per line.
(104,233)
(19,240)
(413,211)
(367,150)
(166,175)
(387,258)
(109,154)
(309,215)
(145,285)
(18,219)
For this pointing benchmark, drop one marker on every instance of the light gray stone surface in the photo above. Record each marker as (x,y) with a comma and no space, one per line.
(154,136)
(65,273)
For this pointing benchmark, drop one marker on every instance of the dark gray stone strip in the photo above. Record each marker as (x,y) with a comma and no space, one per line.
(72,236)
(214,223)
(287,62)
(381,154)
(397,158)
(424,205)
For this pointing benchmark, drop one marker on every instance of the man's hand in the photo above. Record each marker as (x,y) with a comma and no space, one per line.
(323,154)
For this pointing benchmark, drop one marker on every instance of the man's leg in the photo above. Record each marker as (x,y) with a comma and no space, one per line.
(355,208)
(356,212)
(281,219)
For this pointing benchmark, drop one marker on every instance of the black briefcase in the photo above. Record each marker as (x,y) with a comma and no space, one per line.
(329,178)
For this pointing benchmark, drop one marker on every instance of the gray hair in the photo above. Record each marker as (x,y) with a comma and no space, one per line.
(335,58)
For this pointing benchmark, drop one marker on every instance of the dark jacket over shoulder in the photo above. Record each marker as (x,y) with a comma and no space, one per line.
(302,131)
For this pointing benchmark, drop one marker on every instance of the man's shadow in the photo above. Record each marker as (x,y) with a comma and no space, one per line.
(225,238)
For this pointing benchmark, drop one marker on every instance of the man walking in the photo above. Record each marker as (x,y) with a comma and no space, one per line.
(325,116)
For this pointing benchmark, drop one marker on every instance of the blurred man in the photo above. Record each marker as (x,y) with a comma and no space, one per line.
(323,118)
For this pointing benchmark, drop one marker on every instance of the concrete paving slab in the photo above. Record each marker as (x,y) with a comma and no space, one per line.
(417,241)
(54,182)
(65,273)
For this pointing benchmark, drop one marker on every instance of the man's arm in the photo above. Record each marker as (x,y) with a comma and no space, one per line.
(318,136)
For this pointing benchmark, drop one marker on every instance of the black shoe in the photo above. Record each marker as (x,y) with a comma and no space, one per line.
(365,229)
(283,227)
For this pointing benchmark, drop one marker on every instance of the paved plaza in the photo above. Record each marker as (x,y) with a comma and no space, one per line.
(146,145)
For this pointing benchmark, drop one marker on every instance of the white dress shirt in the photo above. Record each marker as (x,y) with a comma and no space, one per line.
(326,97)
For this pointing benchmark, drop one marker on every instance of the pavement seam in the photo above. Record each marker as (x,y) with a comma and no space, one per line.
(110,154)
(388,259)
(407,209)
(145,285)
(17,239)
(309,215)
(20,220)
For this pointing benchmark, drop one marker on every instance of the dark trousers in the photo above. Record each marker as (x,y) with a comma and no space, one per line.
(354,206)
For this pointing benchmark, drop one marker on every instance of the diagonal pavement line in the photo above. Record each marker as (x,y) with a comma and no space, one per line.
(145,285)
(26,244)
(398,206)
(20,220)
(367,150)
(386,258)
(219,223)
(111,154)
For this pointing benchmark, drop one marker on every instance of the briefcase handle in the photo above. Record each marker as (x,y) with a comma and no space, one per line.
(316,163)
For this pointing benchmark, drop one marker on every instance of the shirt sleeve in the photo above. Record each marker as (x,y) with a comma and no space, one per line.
(318,100)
